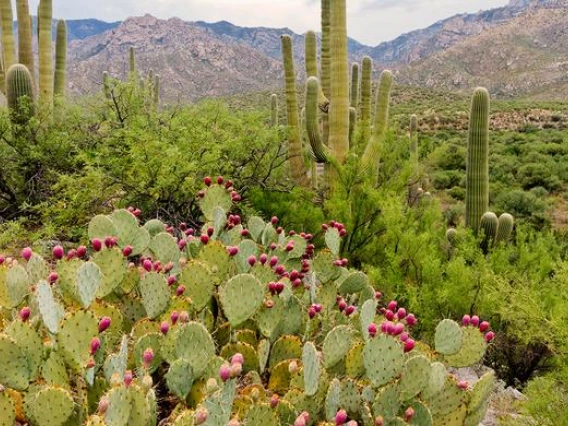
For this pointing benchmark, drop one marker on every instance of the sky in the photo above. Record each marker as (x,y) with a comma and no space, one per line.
(369,21)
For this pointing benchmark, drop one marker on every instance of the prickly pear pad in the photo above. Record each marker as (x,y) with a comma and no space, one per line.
(448,337)
(155,294)
(336,345)
(472,350)
(195,344)
(7,410)
(74,338)
(415,377)
(311,369)
(179,378)
(14,372)
(198,282)
(241,297)
(383,358)
(49,407)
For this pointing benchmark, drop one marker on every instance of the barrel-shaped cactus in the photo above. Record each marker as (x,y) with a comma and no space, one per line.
(20,93)
(60,80)
(477,166)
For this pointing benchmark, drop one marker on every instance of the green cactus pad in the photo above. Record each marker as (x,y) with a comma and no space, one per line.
(248,351)
(216,257)
(367,316)
(350,398)
(332,399)
(353,283)
(240,298)
(165,249)
(324,268)
(195,344)
(311,369)
(198,282)
(148,341)
(7,410)
(246,336)
(294,317)
(336,345)
(37,269)
(256,227)
(480,395)
(300,245)
(285,348)
(74,338)
(56,402)
(50,310)
(472,350)
(448,338)
(30,342)
(280,377)
(101,227)
(447,402)
(333,240)
(263,351)
(247,248)
(268,319)
(269,235)
(67,270)
(116,363)
(354,366)
(215,196)
(89,280)
(415,377)
(455,418)
(438,374)
(54,372)
(185,418)
(220,405)
(261,415)
(422,415)
(155,294)
(114,333)
(383,358)
(387,401)
(179,378)
(119,407)
(14,372)
(111,264)
(128,231)
(17,284)
(154,227)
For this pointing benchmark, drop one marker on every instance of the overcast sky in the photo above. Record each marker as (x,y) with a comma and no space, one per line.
(370,21)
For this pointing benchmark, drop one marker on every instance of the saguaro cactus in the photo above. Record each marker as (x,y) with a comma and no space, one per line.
(477,166)
(60,59)
(295,152)
(156,91)
(274,109)
(132,64)
(45,51)
(366,93)
(354,85)
(7,33)
(20,93)
(25,52)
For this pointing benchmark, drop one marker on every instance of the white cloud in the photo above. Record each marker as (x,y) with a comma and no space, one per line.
(370,21)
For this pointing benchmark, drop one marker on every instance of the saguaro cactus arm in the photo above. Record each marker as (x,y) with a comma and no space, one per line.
(312,67)
(25,52)
(60,59)
(6,20)
(45,51)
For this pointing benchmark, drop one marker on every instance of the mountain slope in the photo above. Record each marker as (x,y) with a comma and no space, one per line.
(526,56)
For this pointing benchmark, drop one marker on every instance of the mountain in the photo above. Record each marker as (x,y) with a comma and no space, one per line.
(526,56)
(511,49)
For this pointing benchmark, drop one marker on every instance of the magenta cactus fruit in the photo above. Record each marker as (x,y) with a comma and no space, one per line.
(26,253)
(489,336)
(392,305)
(103,405)
(463,385)
(225,372)
(401,313)
(409,414)
(210,231)
(274,220)
(398,329)
(350,310)
(104,324)
(409,345)
(174,316)
(180,290)
(273,261)
(312,312)
(95,345)
(389,315)
(236,370)
(58,252)
(148,265)
(404,337)
(207,180)
(252,260)
(372,329)
(379,421)
(233,251)
(340,417)
(411,320)
(204,239)
(172,280)
(128,378)
(53,277)
(237,359)
(200,416)
(274,400)
(81,252)
(148,357)
(263,258)
(127,251)
(165,327)
(484,326)
(25,313)
(220,180)
(475,321)
(466,320)
(97,244)
(342,305)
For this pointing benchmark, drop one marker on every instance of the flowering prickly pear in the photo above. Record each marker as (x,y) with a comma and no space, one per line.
(409,345)
(96,244)
(475,321)
(164,327)
(148,357)
(372,329)
(392,305)
(172,280)
(233,251)
(147,265)
(95,345)
(489,336)
(81,251)
(127,251)
(57,252)
(340,417)
(180,290)
(25,313)
(411,320)
(174,316)
(466,320)
(53,277)
(484,326)
(204,239)
(104,324)
(225,372)
(207,180)
(26,253)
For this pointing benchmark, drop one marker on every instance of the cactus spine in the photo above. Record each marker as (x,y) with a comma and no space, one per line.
(477,166)
(45,51)
(25,52)
(20,93)
(60,59)
(274,109)
(6,20)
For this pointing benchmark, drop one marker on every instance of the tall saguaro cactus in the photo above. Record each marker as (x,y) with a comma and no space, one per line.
(477,166)
(25,46)
(45,51)
(8,44)
(60,59)
(20,93)
(295,152)
(354,85)
(274,109)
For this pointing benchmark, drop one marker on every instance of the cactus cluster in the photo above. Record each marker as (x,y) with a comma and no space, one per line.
(240,321)
(51,81)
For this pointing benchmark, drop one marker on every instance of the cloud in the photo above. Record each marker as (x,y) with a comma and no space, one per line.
(370,21)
